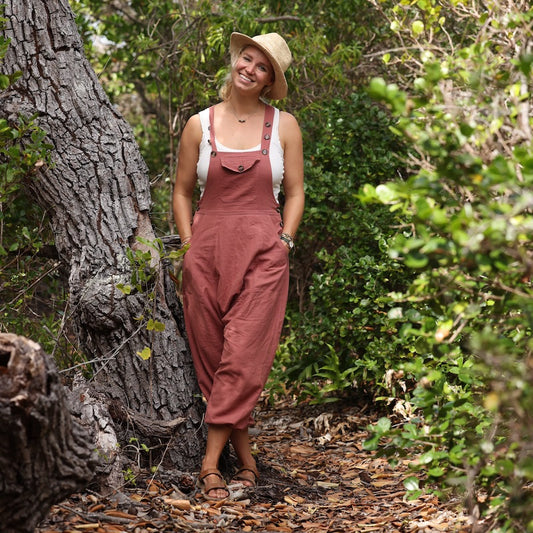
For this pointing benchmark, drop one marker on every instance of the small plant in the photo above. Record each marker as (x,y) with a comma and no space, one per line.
(130,477)
(144,275)
(139,449)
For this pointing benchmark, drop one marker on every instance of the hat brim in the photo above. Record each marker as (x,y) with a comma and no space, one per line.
(279,88)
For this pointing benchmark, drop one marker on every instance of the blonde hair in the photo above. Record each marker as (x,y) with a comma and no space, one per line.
(225,89)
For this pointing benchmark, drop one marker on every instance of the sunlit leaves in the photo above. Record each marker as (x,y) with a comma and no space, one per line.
(468,221)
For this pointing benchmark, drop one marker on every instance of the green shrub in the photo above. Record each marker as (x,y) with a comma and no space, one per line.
(339,339)
(467,315)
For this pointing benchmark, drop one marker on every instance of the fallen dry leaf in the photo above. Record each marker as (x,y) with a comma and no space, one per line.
(120,514)
(302,450)
(184,505)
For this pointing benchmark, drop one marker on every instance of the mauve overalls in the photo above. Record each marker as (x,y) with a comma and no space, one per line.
(235,281)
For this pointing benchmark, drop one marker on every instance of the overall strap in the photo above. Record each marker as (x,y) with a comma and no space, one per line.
(267,129)
(212,131)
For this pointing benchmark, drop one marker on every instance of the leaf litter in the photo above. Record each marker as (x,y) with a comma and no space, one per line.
(316,477)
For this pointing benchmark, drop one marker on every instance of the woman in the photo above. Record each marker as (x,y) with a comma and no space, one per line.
(236,269)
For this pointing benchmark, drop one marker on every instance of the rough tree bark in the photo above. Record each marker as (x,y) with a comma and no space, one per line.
(97,197)
(44,452)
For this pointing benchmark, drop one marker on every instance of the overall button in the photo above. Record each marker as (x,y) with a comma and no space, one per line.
(267,136)
(265,152)
(241,168)
(267,124)
(213,154)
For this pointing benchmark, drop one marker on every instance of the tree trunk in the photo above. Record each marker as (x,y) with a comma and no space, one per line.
(97,197)
(45,455)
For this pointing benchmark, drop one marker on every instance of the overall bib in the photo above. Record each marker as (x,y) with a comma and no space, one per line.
(235,281)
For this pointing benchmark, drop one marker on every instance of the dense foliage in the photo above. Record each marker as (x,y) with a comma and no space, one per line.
(466,318)
(339,335)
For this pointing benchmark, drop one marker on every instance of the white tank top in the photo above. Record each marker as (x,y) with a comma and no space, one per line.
(276,153)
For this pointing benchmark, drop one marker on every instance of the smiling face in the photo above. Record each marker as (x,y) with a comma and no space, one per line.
(252,71)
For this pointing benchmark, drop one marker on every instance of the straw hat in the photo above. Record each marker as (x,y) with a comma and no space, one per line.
(275,48)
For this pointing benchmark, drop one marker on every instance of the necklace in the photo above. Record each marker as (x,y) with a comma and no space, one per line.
(242,120)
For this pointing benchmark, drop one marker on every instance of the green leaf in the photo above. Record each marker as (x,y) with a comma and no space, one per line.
(386,193)
(154,325)
(505,466)
(417,27)
(145,354)
(4,82)
(411,483)
(371,443)
(416,260)
(436,472)
(377,88)
(126,289)
(383,425)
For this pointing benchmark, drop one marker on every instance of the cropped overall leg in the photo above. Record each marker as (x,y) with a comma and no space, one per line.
(235,306)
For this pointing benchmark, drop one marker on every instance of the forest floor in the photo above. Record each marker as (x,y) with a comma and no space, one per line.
(315,478)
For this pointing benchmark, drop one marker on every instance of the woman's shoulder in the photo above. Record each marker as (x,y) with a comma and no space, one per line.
(203,116)
(287,121)
(193,128)
(289,129)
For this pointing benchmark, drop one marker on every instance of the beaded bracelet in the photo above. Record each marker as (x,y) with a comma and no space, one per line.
(286,238)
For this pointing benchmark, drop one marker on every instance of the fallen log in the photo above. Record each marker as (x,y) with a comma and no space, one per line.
(45,454)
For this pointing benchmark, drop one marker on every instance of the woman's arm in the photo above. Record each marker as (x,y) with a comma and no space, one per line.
(186,177)
(293,180)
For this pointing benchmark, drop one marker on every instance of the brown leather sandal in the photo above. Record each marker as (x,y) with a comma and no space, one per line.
(209,480)
(241,477)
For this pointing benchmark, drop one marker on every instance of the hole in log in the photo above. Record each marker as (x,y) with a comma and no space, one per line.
(4,357)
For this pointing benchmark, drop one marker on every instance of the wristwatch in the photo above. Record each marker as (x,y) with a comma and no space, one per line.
(286,238)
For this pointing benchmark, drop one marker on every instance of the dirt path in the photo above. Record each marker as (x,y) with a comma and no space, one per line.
(315,478)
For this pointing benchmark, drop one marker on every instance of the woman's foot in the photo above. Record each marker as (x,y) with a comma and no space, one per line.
(212,485)
(247,475)
(210,480)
